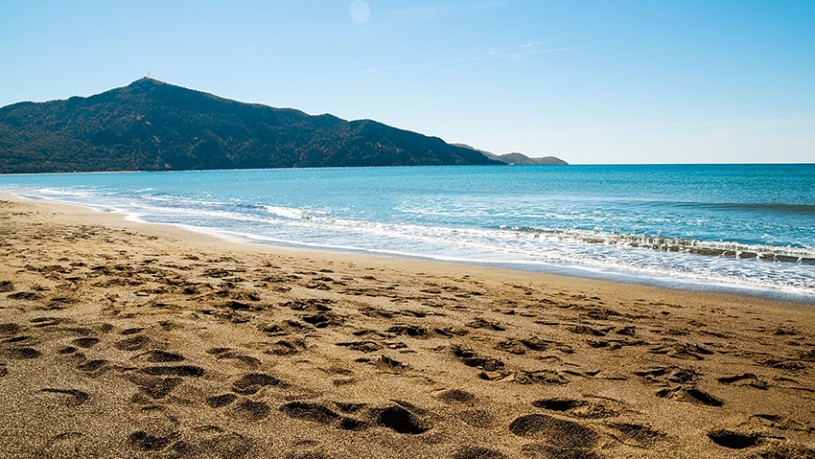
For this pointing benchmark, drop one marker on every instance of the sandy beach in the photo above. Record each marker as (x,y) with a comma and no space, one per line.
(120,339)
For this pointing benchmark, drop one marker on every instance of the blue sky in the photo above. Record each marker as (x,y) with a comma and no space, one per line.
(611,81)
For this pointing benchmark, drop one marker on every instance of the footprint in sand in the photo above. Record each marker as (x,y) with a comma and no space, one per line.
(582,408)
(565,434)
(67,350)
(283,328)
(177,370)
(8,329)
(323,319)
(734,440)
(93,367)
(361,346)
(486,324)
(745,379)
(132,331)
(251,383)
(156,387)
(21,353)
(785,451)
(643,435)
(250,410)
(311,304)
(400,420)
(309,411)
(287,347)
(586,330)
(413,331)
(68,397)
(158,356)
(513,346)
(690,394)
(220,401)
(669,374)
(785,364)
(86,342)
(375,312)
(457,396)
(394,417)
(105,327)
(682,351)
(241,360)
(544,377)
(472,359)
(81,331)
(25,296)
(321,413)
(134,343)
(42,322)
(143,441)
(17,339)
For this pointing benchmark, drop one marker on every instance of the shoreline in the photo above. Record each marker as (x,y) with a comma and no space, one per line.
(582,274)
(576,273)
(120,338)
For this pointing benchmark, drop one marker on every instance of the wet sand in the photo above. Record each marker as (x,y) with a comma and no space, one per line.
(119,339)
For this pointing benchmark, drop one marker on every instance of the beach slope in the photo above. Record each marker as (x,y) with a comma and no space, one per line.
(125,340)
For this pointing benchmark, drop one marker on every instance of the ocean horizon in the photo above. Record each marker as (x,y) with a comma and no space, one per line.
(734,228)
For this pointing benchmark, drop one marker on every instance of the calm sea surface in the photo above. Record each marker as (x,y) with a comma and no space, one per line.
(743,228)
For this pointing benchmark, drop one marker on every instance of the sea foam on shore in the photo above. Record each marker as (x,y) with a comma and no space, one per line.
(694,227)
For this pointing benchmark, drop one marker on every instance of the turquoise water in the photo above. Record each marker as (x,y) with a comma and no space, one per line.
(744,228)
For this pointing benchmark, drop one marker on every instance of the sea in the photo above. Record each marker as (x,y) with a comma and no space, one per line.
(746,229)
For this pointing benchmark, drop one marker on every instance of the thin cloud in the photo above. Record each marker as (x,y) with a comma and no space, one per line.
(517,51)
(510,50)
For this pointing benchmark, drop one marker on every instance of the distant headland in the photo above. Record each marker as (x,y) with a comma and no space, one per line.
(151,125)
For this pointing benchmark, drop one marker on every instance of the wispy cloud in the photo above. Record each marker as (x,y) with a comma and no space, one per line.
(510,52)
(515,52)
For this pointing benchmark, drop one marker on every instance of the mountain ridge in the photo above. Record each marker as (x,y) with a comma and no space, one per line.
(516,158)
(151,125)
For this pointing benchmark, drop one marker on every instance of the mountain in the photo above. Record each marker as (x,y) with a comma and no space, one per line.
(151,125)
(519,158)
(516,158)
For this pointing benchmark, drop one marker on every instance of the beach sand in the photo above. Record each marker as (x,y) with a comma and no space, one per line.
(120,339)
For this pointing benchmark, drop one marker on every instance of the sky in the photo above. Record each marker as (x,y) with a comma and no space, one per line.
(589,81)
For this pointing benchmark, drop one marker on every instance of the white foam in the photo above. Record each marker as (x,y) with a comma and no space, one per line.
(287,212)
(588,250)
